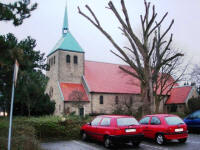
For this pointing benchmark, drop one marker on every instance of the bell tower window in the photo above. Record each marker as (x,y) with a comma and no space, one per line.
(68,58)
(75,60)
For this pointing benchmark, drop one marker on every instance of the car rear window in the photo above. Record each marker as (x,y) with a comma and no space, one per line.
(127,121)
(174,120)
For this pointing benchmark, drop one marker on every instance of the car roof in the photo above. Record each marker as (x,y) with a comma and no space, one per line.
(161,115)
(116,116)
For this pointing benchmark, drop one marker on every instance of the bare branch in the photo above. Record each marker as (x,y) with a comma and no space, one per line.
(97,21)
(129,72)
(158,24)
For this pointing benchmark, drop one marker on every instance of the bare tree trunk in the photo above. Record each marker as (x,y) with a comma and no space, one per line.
(157,105)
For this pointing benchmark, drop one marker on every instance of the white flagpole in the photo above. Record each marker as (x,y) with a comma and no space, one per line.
(16,66)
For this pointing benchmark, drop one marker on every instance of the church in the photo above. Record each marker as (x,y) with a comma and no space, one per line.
(87,87)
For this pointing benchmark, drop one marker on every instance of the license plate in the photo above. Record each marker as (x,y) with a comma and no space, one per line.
(179,130)
(130,130)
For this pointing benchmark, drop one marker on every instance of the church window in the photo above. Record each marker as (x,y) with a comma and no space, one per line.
(54,59)
(101,99)
(68,58)
(75,60)
(116,100)
(51,61)
(50,92)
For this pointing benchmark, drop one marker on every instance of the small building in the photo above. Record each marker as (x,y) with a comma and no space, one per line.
(178,99)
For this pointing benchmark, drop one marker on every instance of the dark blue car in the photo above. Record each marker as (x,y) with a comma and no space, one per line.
(193,121)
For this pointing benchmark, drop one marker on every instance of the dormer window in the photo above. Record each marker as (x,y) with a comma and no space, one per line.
(75,60)
(68,58)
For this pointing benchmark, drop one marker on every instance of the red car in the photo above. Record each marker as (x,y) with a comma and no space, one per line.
(164,127)
(112,129)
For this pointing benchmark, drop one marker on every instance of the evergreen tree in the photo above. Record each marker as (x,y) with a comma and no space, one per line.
(29,96)
(17,11)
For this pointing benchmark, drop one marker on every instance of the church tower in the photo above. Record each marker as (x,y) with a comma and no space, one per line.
(66,64)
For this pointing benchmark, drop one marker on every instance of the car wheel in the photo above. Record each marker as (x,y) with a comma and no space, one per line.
(182,140)
(84,136)
(160,139)
(136,143)
(107,142)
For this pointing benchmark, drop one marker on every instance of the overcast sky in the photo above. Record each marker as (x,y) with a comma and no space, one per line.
(45,25)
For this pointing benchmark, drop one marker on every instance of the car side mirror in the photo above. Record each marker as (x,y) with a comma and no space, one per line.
(89,123)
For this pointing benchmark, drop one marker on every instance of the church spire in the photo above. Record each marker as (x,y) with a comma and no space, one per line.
(65,23)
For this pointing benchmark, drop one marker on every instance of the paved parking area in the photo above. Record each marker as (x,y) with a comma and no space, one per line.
(193,143)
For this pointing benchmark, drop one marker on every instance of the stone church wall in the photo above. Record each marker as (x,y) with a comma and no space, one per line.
(70,72)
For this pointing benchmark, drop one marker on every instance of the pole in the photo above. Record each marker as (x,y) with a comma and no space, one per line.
(11,111)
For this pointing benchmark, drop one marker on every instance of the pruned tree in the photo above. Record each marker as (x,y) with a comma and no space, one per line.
(76,97)
(139,55)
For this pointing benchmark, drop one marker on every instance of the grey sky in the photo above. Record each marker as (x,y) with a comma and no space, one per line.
(45,25)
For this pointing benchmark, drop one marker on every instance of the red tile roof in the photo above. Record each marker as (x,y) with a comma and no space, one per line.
(109,78)
(68,88)
(179,95)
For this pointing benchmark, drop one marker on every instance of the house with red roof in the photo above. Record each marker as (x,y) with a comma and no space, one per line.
(85,87)
(178,99)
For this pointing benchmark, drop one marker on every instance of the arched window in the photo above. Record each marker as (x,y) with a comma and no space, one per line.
(75,60)
(51,61)
(101,100)
(68,58)
(116,100)
(50,92)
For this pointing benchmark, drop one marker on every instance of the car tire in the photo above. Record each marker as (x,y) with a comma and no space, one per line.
(160,139)
(107,142)
(182,140)
(136,143)
(84,136)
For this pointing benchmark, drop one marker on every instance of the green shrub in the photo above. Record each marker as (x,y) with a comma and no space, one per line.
(26,131)
(52,127)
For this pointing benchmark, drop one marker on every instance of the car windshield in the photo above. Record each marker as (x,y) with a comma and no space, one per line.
(127,121)
(174,120)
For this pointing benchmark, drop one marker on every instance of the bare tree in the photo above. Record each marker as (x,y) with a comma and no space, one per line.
(195,75)
(170,75)
(76,97)
(139,56)
(123,105)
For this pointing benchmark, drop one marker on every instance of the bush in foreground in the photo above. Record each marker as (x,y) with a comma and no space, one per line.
(27,131)
(23,136)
